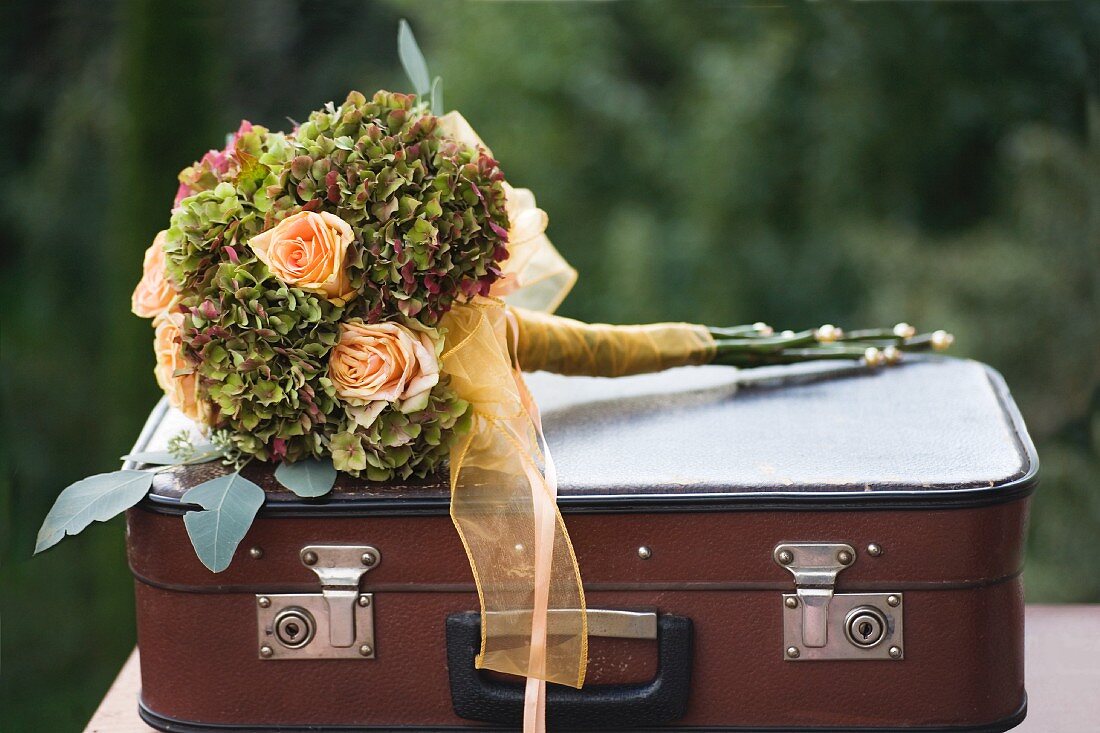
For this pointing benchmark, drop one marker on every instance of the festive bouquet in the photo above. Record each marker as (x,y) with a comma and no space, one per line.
(359,295)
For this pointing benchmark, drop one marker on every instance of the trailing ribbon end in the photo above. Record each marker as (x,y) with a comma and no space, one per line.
(503,484)
(504,506)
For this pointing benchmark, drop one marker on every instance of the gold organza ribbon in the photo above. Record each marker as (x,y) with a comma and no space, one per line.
(503,483)
(503,503)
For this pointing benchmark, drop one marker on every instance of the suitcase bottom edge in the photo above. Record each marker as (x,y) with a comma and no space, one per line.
(173,725)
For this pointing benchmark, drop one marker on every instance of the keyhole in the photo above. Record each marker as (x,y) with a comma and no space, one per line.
(293,627)
(865,626)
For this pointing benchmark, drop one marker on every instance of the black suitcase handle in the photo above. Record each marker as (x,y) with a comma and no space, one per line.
(477,697)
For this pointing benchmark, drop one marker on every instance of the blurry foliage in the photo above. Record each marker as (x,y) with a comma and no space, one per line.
(728,163)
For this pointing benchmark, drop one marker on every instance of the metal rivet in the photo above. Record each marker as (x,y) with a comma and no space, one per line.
(264,601)
(366,650)
(256,553)
(844,557)
(644,552)
(785,557)
(874,550)
(266,651)
(895,652)
(792,652)
(369,558)
(893,600)
(309,557)
(791,602)
(364,601)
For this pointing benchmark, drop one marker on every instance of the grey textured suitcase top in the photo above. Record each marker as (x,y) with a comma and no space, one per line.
(929,427)
(931,423)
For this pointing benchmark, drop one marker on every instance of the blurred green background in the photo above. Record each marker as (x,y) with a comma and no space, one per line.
(798,164)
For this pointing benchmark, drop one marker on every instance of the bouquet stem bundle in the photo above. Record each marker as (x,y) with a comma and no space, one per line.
(565,346)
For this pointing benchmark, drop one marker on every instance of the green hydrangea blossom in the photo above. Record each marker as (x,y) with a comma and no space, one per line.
(402,445)
(428,212)
(430,227)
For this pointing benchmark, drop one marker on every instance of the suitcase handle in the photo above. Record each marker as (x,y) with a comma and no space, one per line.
(664,698)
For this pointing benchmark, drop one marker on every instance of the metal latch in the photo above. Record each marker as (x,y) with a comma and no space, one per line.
(821,624)
(337,623)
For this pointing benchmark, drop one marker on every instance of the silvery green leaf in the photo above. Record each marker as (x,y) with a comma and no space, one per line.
(307,478)
(416,68)
(202,454)
(153,458)
(94,499)
(437,96)
(230,503)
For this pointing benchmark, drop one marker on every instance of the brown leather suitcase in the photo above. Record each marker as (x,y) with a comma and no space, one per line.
(818,548)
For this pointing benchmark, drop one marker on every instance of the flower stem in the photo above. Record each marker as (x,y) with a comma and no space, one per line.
(759,345)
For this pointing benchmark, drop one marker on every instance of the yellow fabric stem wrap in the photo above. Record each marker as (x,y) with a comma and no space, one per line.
(565,346)
(503,503)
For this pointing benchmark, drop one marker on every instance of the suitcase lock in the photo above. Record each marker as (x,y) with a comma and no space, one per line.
(337,623)
(821,624)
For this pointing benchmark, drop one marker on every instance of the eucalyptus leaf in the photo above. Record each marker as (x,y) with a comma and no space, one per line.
(153,458)
(309,478)
(437,96)
(94,499)
(202,454)
(416,68)
(230,504)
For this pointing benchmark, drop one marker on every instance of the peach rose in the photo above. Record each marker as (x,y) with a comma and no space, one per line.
(377,364)
(181,389)
(154,293)
(308,250)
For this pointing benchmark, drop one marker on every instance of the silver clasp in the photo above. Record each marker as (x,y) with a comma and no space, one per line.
(819,623)
(339,568)
(814,566)
(337,623)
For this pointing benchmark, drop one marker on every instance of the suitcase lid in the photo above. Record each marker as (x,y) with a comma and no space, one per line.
(933,432)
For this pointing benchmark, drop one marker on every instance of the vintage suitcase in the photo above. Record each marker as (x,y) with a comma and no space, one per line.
(820,548)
